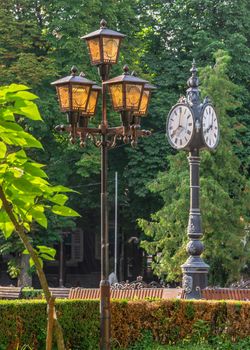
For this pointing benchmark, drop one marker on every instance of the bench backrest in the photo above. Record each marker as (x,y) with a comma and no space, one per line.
(10,292)
(61,293)
(225,294)
(144,293)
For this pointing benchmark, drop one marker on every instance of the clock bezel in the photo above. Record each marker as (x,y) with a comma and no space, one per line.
(202,130)
(167,129)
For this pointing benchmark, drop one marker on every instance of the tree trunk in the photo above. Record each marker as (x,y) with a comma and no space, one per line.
(24,279)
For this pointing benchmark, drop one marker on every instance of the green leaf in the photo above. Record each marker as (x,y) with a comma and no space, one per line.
(28,109)
(5,224)
(17,87)
(26,186)
(31,141)
(3,149)
(33,169)
(19,157)
(61,188)
(26,95)
(39,216)
(59,199)
(64,211)
(31,262)
(46,253)
(10,126)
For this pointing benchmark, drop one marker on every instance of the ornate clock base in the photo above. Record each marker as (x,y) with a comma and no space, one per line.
(195,273)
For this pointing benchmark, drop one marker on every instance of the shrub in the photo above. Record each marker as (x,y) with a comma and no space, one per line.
(134,323)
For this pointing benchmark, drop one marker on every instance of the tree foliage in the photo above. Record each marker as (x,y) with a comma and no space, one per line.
(25,193)
(40,41)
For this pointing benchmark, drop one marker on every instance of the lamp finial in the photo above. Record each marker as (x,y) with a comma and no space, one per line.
(103,24)
(126,69)
(74,70)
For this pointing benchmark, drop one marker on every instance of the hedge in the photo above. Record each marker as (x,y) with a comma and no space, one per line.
(23,322)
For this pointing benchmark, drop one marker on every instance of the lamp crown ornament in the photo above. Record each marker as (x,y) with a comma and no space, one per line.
(126,70)
(74,71)
(103,24)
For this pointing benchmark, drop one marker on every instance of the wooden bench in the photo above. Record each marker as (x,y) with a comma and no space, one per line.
(144,293)
(225,294)
(10,292)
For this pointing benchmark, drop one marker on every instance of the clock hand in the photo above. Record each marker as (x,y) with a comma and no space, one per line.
(181,128)
(175,130)
(207,130)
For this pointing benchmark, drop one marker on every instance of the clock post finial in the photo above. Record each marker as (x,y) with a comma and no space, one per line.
(193,81)
(193,96)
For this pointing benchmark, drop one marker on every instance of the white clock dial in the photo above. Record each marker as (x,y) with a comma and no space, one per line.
(210,127)
(180,126)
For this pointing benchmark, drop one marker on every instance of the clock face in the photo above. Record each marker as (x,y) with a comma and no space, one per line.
(180,126)
(210,127)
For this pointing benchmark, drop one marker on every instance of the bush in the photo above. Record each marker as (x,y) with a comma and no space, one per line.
(134,324)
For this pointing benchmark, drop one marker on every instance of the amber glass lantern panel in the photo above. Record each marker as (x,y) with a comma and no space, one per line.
(144,103)
(133,96)
(117,96)
(80,96)
(63,95)
(110,49)
(91,107)
(94,49)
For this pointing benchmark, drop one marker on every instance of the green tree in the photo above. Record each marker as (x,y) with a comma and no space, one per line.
(224,196)
(25,193)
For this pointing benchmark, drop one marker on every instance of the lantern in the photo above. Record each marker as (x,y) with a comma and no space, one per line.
(73,92)
(104,45)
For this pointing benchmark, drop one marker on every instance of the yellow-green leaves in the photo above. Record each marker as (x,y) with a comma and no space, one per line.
(3,149)
(64,211)
(16,101)
(23,180)
(6,226)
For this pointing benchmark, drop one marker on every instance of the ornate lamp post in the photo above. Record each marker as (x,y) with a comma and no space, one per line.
(193,126)
(127,95)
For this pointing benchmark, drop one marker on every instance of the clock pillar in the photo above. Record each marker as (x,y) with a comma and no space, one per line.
(194,270)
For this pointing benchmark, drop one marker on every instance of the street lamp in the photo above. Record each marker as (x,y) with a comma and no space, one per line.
(127,96)
(192,125)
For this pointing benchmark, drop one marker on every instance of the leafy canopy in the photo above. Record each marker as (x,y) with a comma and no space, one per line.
(23,180)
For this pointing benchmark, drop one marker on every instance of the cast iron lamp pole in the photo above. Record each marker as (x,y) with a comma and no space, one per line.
(78,96)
